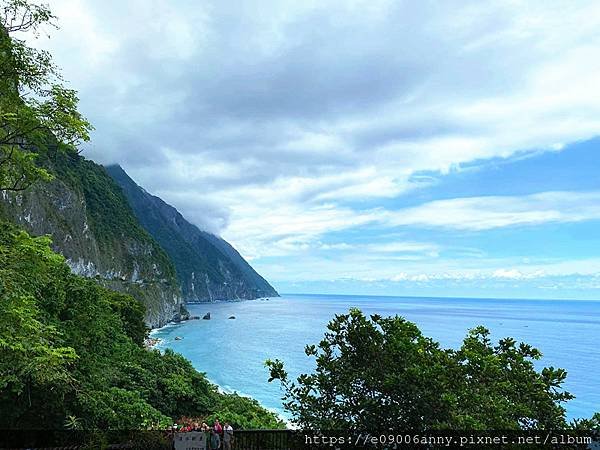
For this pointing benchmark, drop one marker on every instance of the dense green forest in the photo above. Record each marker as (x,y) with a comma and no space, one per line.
(72,354)
(71,350)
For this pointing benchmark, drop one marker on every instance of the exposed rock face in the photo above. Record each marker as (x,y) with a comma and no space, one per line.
(93,227)
(208,268)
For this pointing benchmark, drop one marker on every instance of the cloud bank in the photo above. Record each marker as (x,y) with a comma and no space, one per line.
(277,123)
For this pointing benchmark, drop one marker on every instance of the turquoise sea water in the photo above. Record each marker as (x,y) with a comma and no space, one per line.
(232,352)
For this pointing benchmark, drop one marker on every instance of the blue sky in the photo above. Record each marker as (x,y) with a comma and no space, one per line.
(552,252)
(384,147)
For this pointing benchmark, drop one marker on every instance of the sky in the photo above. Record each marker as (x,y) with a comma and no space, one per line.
(361,147)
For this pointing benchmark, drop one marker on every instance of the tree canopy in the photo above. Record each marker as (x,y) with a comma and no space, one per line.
(71,354)
(37,112)
(381,373)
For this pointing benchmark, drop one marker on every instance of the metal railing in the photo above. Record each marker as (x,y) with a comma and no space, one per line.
(263,440)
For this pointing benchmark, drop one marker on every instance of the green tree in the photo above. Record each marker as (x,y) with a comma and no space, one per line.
(71,351)
(71,354)
(38,114)
(244,413)
(33,355)
(382,373)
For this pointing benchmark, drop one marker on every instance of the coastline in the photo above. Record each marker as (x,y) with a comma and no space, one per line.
(152,342)
(445,320)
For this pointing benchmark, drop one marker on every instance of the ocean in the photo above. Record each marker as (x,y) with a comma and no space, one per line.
(232,352)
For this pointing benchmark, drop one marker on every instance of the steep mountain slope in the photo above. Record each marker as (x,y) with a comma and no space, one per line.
(207,266)
(93,226)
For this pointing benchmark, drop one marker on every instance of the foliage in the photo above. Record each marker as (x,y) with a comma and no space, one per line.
(131,314)
(71,353)
(245,413)
(31,349)
(111,219)
(189,255)
(382,373)
(37,113)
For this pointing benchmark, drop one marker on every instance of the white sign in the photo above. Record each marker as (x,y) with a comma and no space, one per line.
(193,440)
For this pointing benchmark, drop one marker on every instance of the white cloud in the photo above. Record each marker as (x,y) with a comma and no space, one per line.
(357,266)
(388,88)
(483,213)
(515,274)
(267,235)
(262,121)
(405,247)
(271,235)
(336,246)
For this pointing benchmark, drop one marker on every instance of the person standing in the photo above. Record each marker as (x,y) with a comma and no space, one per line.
(227,436)
(215,439)
(217,427)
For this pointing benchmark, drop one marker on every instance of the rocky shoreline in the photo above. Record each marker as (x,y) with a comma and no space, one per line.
(151,342)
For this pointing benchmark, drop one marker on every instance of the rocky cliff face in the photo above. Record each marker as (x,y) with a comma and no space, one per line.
(208,268)
(92,225)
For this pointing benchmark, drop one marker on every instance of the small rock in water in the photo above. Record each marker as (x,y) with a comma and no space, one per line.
(232,317)
(206,316)
(178,338)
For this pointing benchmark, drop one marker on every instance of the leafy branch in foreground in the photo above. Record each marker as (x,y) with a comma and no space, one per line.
(37,112)
(381,373)
(21,15)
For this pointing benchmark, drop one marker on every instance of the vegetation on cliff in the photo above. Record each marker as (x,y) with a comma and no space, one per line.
(71,350)
(208,268)
(111,217)
(93,226)
(71,354)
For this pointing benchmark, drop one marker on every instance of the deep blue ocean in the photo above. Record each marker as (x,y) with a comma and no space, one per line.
(232,352)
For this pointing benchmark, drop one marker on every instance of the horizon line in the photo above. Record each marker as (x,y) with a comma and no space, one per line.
(447,297)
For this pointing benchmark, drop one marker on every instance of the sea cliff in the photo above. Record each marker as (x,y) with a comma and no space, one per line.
(94,228)
(208,267)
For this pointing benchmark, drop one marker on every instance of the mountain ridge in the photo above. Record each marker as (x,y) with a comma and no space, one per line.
(93,227)
(208,267)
